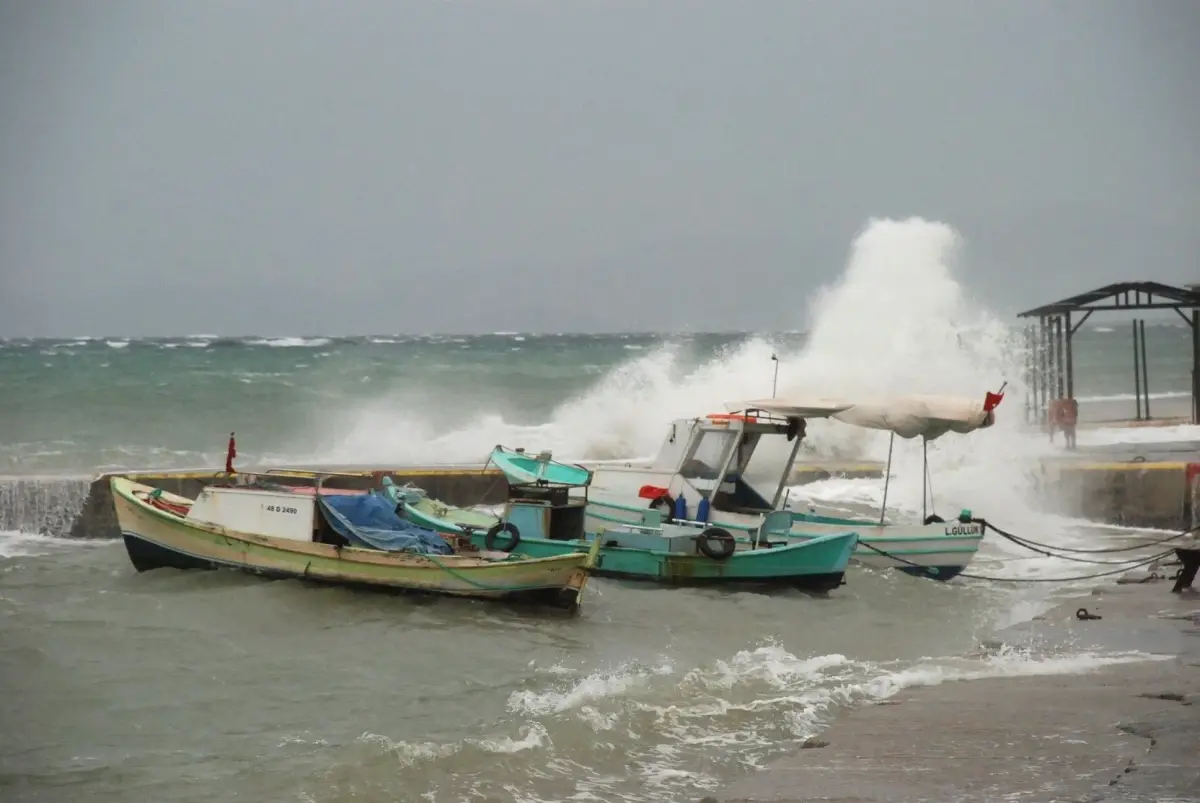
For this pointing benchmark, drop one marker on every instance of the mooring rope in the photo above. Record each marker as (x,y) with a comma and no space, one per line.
(1038,547)
(932,573)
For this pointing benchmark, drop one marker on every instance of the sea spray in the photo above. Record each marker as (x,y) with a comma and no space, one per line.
(897,321)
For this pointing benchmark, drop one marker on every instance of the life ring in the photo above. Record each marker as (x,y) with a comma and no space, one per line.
(934,518)
(705,540)
(666,503)
(489,540)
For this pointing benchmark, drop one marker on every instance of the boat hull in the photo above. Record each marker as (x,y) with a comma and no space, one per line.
(817,565)
(939,551)
(155,539)
(454,521)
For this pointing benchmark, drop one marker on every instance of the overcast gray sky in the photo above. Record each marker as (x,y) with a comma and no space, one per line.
(379,166)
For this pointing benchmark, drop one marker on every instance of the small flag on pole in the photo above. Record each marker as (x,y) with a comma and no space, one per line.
(230,453)
(992,400)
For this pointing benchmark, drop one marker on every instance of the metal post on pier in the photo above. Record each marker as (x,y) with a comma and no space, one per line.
(1145,374)
(1031,383)
(1044,369)
(1137,374)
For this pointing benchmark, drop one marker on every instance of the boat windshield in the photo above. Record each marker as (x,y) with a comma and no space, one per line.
(708,455)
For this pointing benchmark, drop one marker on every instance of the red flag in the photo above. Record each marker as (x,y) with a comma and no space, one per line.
(230,453)
(992,400)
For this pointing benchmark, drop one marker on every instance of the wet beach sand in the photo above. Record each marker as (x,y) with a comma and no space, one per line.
(1119,732)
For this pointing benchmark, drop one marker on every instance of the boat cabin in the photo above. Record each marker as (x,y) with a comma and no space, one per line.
(711,456)
(275,514)
(333,517)
(545,510)
(707,462)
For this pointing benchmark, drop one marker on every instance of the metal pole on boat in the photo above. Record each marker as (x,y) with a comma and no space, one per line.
(924,475)
(775,381)
(887,478)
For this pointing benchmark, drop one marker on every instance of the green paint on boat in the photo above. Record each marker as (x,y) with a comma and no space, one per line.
(521,468)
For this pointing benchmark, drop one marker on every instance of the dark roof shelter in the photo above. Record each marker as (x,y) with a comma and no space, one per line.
(1050,368)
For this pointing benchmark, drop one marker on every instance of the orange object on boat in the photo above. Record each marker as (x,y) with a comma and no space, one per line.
(749,419)
(651,492)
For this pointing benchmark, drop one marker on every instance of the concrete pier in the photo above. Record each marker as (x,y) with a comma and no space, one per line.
(1133,485)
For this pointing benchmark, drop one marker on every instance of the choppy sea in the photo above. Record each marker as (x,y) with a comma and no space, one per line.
(200,687)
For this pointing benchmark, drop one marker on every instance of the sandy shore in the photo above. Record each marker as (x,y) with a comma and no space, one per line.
(1119,732)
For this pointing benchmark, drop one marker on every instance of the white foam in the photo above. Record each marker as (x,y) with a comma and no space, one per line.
(1098,436)
(897,321)
(659,723)
(15,544)
(1166,394)
(290,342)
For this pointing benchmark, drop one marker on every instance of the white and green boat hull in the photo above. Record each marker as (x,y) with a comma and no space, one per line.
(939,551)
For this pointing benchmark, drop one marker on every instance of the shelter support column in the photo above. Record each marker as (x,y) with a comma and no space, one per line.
(1196,366)
(1070,362)
(1137,374)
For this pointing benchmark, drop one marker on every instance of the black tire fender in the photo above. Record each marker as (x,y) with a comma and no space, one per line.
(716,535)
(489,540)
(667,504)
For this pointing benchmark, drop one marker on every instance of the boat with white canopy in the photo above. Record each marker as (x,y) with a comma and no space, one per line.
(703,473)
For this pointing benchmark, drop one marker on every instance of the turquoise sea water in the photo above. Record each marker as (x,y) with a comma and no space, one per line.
(86,404)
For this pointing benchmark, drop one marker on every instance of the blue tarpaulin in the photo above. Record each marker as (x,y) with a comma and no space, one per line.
(370,520)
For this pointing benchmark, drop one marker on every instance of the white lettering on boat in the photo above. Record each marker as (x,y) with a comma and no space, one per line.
(963,529)
(281,509)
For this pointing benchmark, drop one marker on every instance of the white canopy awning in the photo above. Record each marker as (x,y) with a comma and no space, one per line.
(926,416)
(794,407)
(907,416)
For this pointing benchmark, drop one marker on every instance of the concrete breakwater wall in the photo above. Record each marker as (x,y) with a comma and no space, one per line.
(1132,493)
(1161,494)
(82,507)
(48,505)
(1110,488)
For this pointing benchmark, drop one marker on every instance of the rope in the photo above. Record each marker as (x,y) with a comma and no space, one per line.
(1028,544)
(927,570)
(1033,546)
(481,585)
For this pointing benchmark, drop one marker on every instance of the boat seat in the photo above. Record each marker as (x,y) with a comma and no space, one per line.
(777,523)
(652,518)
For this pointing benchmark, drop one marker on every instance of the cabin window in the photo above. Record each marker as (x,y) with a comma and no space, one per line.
(706,459)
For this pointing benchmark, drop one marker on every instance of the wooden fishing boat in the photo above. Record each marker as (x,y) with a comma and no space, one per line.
(544,520)
(415,505)
(703,473)
(344,538)
(523,469)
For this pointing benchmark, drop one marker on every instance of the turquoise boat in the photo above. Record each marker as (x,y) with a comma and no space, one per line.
(544,520)
(939,549)
(522,469)
(414,504)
